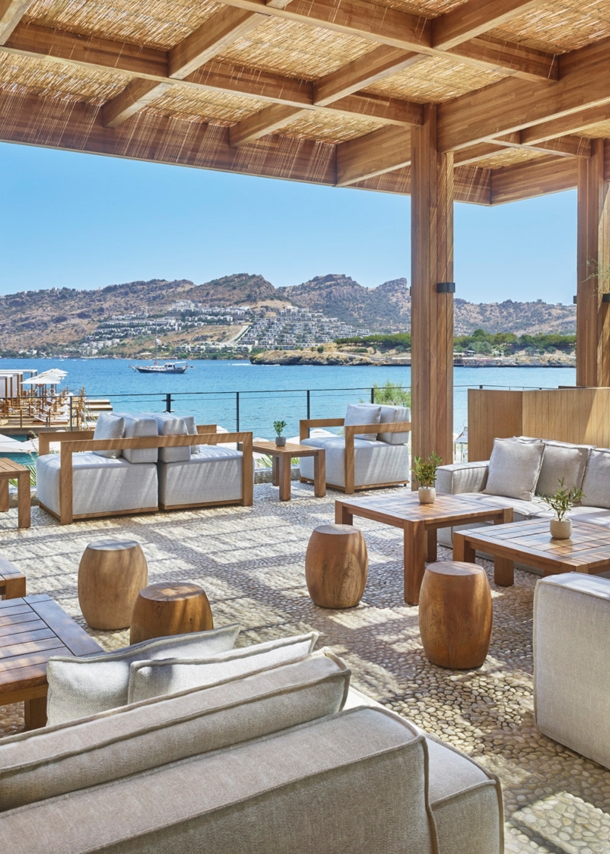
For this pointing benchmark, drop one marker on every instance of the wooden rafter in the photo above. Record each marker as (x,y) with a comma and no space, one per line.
(11,12)
(131,100)
(570,124)
(513,104)
(373,154)
(410,32)
(475,18)
(368,69)
(266,121)
(214,76)
(526,180)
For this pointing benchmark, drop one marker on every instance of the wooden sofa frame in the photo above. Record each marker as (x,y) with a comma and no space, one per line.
(82,440)
(350,432)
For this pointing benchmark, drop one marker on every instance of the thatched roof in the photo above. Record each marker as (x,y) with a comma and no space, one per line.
(325,91)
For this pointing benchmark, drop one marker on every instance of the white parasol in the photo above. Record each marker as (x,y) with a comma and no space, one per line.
(54,376)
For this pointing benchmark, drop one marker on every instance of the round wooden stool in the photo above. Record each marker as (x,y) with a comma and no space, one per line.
(170,609)
(110,576)
(455,614)
(336,566)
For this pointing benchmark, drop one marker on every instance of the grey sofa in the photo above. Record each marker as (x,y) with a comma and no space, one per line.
(272,762)
(374,451)
(140,463)
(520,484)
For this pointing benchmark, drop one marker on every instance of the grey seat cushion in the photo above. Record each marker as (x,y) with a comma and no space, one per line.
(374,462)
(211,475)
(139,425)
(363,413)
(69,757)
(514,468)
(108,426)
(87,685)
(99,484)
(391,415)
(353,782)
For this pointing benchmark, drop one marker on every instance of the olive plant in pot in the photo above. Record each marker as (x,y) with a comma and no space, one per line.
(280,440)
(562,501)
(424,472)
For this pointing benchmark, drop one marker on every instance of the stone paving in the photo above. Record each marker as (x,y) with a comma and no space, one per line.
(250,562)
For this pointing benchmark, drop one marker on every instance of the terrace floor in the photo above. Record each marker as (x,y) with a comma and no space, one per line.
(251,563)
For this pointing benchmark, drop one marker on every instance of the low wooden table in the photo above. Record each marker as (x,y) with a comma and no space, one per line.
(530,542)
(12,582)
(10,470)
(32,629)
(173,608)
(420,523)
(110,576)
(281,458)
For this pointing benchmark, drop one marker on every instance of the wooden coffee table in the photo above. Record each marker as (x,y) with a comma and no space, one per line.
(420,523)
(281,458)
(32,629)
(530,542)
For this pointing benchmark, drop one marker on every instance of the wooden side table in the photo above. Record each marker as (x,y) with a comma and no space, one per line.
(110,576)
(170,609)
(455,614)
(12,582)
(281,458)
(336,566)
(10,470)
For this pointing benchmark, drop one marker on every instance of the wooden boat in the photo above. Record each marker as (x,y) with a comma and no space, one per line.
(167,368)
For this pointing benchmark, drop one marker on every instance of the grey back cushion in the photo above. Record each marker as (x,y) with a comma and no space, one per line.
(562,460)
(79,687)
(158,678)
(69,757)
(172,425)
(390,415)
(596,484)
(514,468)
(139,425)
(109,426)
(363,413)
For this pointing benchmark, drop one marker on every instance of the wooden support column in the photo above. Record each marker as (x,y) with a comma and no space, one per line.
(431,311)
(593,315)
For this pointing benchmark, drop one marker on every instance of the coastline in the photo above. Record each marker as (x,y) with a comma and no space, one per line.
(337,359)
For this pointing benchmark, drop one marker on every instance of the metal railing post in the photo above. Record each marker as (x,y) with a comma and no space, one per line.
(168,402)
(71,417)
(237,412)
(373,395)
(308,404)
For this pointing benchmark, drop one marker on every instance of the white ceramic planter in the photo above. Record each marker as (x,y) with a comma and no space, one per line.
(426,494)
(561,530)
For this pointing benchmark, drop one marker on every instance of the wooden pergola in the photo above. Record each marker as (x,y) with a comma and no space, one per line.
(482,101)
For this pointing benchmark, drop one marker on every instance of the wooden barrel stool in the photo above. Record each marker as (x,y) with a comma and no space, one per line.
(170,609)
(110,576)
(455,614)
(336,566)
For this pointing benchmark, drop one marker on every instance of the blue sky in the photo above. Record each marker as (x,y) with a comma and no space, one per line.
(82,221)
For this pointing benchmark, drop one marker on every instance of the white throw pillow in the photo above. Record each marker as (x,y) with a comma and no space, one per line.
(363,413)
(514,468)
(79,687)
(562,460)
(109,426)
(157,678)
(596,485)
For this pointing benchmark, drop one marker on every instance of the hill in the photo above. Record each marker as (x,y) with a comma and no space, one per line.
(56,319)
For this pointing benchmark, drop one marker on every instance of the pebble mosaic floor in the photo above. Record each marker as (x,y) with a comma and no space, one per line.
(250,562)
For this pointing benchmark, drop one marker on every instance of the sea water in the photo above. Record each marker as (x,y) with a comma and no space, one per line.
(268,393)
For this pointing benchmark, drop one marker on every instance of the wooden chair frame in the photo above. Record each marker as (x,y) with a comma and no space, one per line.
(350,432)
(82,440)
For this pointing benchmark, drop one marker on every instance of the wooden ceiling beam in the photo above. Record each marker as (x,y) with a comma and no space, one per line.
(573,123)
(368,69)
(396,28)
(475,18)
(566,146)
(527,180)
(512,105)
(373,154)
(206,42)
(474,153)
(267,121)
(150,64)
(11,12)
(131,100)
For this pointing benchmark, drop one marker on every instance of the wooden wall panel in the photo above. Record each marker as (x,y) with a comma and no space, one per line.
(580,415)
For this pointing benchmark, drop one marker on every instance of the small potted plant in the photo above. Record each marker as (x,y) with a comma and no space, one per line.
(280,440)
(562,502)
(425,474)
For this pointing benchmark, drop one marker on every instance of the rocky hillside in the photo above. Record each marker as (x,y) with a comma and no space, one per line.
(63,317)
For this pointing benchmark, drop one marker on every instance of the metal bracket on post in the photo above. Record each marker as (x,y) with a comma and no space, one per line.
(168,403)
(445,288)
